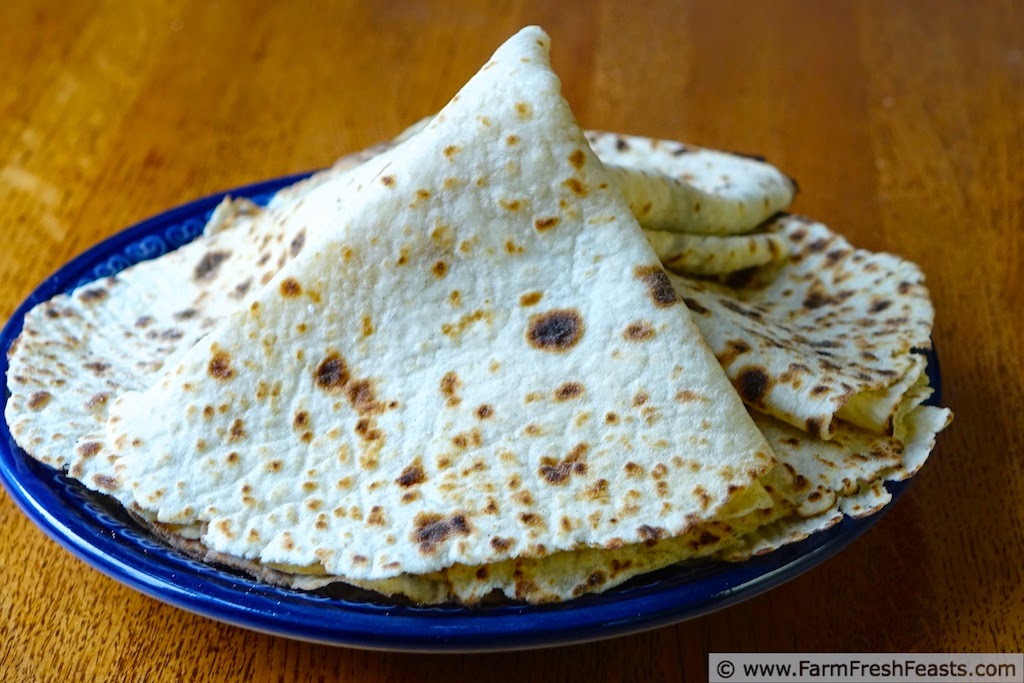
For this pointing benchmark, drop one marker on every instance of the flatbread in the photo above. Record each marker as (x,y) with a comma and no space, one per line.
(671,186)
(556,577)
(827,334)
(79,351)
(674,187)
(717,254)
(375,409)
(848,471)
(91,346)
(815,484)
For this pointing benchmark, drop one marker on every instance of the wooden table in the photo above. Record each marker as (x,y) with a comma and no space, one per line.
(904,123)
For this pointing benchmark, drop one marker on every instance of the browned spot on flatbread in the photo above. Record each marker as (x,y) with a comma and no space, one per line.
(485,411)
(695,306)
(594,581)
(523,498)
(577,158)
(577,186)
(639,331)
(290,288)
(105,482)
(332,373)
(733,349)
(91,296)
(792,374)
(879,305)
(89,449)
(208,265)
(501,544)
(97,368)
(836,255)
(662,293)
(818,245)
(753,384)
(38,400)
(568,391)
(816,299)
(411,475)
(301,420)
(651,534)
(220,365)
(531,519)
(389,180)
(467,439)
(619,566)
(97,401)
(433,529)
(237,431)
(366,430)
(530,298)
(241,288)
(707,538)
(542,224)
(556,330)
(523,110)
(297,243)
(702,495)
(557,472)
(440,269)
(450,385)
(814,425)
(363,397)
(376,516)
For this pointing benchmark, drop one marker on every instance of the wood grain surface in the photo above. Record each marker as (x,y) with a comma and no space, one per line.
(903,122)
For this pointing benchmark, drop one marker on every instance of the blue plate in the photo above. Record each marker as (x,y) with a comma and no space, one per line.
(94,529)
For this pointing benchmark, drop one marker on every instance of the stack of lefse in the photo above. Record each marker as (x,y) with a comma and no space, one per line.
(453,366)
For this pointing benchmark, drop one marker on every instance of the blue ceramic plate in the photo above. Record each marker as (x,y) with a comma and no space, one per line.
(95,530)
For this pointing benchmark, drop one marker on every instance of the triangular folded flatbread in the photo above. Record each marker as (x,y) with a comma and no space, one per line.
(464,364)
(675,187)
(827,334)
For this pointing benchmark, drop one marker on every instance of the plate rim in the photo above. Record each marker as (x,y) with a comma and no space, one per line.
(623,610)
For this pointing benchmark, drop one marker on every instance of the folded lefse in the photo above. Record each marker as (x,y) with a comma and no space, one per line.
(462,366)
(680,188)
(829,333)
(451,366)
